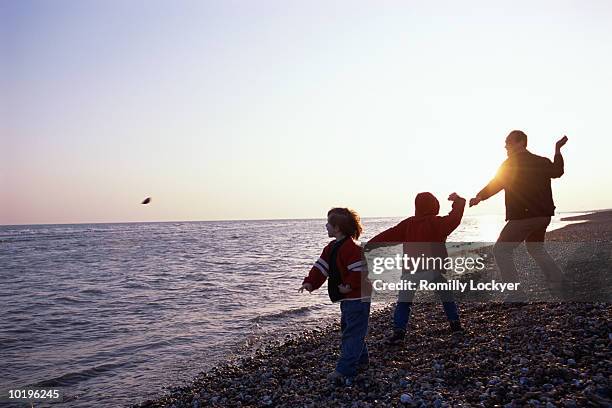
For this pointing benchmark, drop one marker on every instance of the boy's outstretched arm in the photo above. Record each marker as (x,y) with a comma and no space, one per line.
(318,273)
(451,221)
(393,234)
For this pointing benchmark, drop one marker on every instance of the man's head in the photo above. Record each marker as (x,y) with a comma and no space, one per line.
(516,141)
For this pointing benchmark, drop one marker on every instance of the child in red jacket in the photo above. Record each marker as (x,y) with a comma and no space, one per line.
(342,265)
(426,226)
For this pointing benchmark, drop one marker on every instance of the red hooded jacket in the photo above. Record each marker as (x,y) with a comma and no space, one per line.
(426,225)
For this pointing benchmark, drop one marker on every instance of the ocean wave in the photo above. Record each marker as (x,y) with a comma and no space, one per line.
(75,377)
(70,299)
(91,291)
(297,311)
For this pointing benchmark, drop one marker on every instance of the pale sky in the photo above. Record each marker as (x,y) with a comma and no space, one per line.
(283,109)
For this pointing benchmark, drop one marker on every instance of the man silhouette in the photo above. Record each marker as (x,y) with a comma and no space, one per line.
(525,178)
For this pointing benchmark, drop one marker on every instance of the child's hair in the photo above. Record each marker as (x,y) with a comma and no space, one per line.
(347,220)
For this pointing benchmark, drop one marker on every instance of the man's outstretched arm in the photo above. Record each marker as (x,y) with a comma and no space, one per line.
(495,186)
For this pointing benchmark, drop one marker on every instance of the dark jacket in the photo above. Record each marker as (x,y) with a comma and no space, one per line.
(525,178)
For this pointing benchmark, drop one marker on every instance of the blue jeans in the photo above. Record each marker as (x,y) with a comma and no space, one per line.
(354,317)
(403,307)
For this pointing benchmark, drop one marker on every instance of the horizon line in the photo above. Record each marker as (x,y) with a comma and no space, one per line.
(252,219)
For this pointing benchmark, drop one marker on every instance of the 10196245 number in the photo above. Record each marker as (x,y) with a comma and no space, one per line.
(33,394)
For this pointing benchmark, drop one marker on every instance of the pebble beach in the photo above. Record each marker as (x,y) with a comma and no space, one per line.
(510,355)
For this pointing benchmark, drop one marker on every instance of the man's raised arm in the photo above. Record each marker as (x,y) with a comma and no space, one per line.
(557,166)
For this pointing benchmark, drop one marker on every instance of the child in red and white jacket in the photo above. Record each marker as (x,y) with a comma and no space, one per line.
(341,263)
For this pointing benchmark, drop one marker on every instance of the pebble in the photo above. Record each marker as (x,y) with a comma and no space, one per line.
(570,403)
(406,399)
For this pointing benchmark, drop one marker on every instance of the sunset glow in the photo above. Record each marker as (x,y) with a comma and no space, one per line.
(247,110)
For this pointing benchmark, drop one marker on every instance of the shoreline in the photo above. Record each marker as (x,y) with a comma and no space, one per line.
(538,354)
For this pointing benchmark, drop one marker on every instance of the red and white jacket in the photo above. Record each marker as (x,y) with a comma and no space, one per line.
(353,269)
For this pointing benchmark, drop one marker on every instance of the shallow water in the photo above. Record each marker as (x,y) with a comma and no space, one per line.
(112,313)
